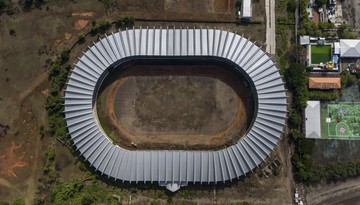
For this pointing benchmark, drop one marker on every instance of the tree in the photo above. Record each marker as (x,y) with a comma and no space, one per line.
(2,5)
(321,2)
(295,119)
(291,6)
(295,76)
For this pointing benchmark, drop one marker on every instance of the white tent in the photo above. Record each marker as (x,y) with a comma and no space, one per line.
(350,48)
(312,120)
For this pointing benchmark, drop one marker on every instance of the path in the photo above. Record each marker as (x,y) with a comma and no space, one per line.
(334,193)
(270,26)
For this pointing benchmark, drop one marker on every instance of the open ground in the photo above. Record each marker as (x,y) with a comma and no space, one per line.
(176,106)
(24,62)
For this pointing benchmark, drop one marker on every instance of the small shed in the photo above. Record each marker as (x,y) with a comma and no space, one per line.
(246,9)
(304,40)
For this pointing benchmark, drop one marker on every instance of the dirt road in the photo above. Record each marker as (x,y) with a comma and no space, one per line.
(334,193)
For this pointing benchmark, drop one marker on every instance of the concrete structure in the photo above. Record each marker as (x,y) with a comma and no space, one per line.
(246,9)
(174,168)
(312,120)
(350,48)
(304,40)
(337,48)
(324,83)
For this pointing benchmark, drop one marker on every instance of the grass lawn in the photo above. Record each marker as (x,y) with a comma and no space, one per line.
(344,120)
(320,54)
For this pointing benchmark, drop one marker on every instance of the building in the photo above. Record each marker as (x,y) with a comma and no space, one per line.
(337,48)
(304,40)
(174,168)
(312,120)
(246,9)
(322,83)
(350,48)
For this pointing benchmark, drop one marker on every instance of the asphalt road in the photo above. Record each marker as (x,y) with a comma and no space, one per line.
(270,26)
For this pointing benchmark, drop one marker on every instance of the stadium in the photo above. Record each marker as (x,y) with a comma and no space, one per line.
(174,168)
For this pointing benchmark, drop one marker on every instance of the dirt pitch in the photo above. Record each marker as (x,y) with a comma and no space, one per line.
(176,107)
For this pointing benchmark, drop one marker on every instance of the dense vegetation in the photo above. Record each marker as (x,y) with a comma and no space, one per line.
(54,102)
(323,29)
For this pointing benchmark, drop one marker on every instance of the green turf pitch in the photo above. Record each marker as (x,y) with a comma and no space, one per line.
(320,54)
(340,120)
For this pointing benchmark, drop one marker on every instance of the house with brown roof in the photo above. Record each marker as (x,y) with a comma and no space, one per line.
(324,83)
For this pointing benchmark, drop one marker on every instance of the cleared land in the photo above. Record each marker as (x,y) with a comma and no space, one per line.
(340,120)
(320,54)
(176,107)
(40,36)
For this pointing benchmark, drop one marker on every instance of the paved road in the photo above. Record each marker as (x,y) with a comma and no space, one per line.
(270,26)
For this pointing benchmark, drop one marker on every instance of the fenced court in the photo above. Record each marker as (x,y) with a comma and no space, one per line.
(320,54)
(340,120)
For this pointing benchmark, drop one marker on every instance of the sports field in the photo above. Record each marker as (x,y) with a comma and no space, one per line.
(341,120)
(320,54)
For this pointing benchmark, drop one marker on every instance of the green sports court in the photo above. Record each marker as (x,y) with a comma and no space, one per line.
(320,54)
(340,120)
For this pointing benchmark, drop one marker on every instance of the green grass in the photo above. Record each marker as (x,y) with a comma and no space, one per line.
(349,119)
(320,54)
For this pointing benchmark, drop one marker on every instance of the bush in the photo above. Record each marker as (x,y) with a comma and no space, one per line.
(81,38)
(324,95)
(347,79)
(2,5)
(128,21)
(18,201)
(64,56)
(294,118)
(12,32)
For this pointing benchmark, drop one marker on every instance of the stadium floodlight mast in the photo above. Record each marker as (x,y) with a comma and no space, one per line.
(174,168)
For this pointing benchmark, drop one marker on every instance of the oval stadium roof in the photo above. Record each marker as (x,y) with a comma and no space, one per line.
(174,168)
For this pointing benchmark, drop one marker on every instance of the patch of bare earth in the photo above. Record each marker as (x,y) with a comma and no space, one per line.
(177,111)
(12,159)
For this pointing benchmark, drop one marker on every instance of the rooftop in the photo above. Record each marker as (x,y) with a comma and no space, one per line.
(350,48)
(324,83)
(312,120)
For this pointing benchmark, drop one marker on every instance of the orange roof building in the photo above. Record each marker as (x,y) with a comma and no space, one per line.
(324,83)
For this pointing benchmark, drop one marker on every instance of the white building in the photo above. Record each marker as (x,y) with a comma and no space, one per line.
(350,48)
(312,120)
(246,9)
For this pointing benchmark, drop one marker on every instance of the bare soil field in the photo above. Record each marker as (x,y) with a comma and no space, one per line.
(24,61)
(41,34)
(214,10)
(186,107)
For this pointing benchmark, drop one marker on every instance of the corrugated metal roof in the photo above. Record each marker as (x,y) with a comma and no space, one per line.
(177,167)
(312,120)
(350,48)
(246,9)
